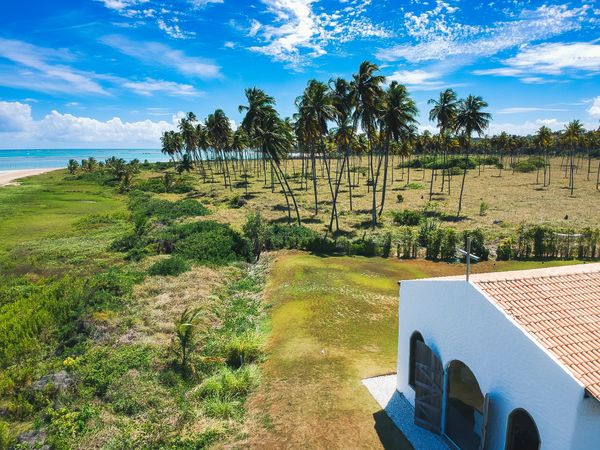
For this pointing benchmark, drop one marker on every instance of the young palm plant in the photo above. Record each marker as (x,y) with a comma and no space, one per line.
(185,337)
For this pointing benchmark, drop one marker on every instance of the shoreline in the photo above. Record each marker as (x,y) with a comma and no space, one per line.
(9,177)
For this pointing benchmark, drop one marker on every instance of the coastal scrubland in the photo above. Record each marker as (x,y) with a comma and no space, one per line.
(171,311)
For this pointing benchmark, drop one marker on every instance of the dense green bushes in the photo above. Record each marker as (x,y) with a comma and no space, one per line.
(437,162)
(530,164)
(165,184)
(173,266)
(542,241)
(142,205)
(407,217)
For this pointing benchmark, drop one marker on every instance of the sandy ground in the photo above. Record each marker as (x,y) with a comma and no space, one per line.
(9,176)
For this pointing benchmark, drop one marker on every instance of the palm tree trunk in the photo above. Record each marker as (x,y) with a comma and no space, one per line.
(335,196)
(385,171)
(462,185)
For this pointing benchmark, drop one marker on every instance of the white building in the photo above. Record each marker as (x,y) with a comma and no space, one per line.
(504,361)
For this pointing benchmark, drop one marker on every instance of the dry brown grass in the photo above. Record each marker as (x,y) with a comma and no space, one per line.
(160,299)
(511,198)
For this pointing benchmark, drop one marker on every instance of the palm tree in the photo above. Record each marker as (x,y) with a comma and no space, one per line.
(185,328)
(172,143)
(543,139)
(219,132)
(315,109)
(367,92)
(342,101)
(470,118)
(239,143)
(397,119)
(573,133)
(444,113)
(273,136)
(186,164)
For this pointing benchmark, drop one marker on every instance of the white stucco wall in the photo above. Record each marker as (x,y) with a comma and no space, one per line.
(458,322)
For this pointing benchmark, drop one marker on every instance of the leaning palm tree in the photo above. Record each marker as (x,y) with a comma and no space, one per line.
(444,113)
(573,133)
(272,136)
(172,144)
(470,118)
(398,117)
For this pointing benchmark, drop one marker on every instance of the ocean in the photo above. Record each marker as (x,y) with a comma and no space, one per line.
(51,158)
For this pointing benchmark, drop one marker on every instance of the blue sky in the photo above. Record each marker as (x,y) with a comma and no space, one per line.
(116,73)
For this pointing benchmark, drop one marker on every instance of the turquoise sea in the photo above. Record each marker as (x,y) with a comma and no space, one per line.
(43,158)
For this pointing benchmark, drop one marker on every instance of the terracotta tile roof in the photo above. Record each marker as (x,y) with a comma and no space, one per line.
(560,309)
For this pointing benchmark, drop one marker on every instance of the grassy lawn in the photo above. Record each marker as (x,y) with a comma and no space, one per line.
(334,321)
(48,223)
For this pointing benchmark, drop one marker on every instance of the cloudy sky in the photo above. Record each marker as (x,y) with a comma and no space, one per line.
(116,73)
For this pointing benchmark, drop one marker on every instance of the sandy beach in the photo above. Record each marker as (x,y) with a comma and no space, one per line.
(10,176)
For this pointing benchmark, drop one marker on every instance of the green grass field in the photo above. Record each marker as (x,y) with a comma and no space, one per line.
(334,322)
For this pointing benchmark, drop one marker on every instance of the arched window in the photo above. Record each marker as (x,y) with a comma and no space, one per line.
(522,432)
(464,407)
(416,336)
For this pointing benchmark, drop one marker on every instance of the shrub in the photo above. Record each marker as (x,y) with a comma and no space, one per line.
(207,242)
(478,247)
(223,408)
(101,366)
(255,231)
(165,184)
(4,434)
(504,252)
(236,201)
(386,247)
(400,198)
(483,207)
(174,265)
(164,210)
(243,349)
(228,383)
(528,165)
(407,217)
(448,245)
(278,237)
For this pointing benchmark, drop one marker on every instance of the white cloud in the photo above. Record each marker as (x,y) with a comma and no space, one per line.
(418,80)
(154,53)
(14,116)
(173,30)
(202,3)
(39,66)
(299,33)
(525,109)
(438,35)
(594,109)
(531,126)
(151,86)
(19,129)
(549,59)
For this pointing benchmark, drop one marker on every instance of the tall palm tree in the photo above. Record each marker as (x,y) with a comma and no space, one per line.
(219,132)
(367,93)
(573,134)
(444,113)
(342,101)
(271,135)
(172,144)
(470,118)
(398,116)
(315,109)
(543,139)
